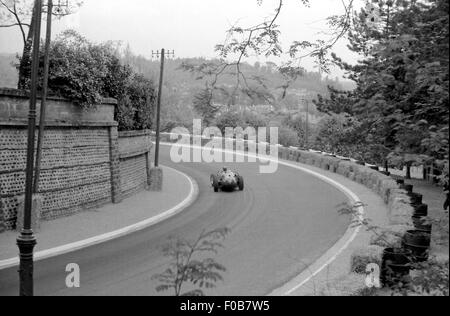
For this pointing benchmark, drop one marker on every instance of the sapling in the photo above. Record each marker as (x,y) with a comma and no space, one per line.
(187,268)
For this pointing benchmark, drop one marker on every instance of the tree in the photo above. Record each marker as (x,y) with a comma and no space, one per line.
(341,134)
(185,269)
(263,39)
(402,81)
(141,93)
(298,124)
(229,118)
(86,72)
(203,105)
(19,14)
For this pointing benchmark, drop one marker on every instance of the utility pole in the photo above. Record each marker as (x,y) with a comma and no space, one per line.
(163,54)
(26,240)
(307,124)
(48,36)
(306,141)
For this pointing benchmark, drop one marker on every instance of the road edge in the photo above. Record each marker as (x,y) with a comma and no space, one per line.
(89,242)
(331,254)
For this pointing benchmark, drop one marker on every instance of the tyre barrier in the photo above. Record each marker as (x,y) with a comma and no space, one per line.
(395,267)
(418,243)
(415,245)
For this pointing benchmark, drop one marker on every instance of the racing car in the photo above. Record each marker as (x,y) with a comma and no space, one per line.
(227,180)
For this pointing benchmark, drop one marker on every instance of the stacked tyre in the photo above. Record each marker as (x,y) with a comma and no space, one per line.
(397,262)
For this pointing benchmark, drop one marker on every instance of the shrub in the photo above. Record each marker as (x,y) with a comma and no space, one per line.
(86,73)
(137,106)
(229,119)
(288,137)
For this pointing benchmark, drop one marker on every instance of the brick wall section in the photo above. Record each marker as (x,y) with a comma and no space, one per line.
(2,222)
(86,162)
(135,161)
(76,161)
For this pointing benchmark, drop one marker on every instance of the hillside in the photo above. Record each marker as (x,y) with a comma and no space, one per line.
(181,86)
(8,74)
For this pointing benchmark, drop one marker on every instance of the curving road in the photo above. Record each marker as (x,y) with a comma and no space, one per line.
(280,224)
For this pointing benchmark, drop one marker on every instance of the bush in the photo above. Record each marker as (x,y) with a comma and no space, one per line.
(77,69)
(229,119)
(288,137)
(253,120)
(86,73)
(137,106)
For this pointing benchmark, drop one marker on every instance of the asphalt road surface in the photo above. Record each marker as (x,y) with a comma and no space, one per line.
(280,224)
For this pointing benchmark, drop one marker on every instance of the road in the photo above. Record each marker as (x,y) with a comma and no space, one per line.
(279,225)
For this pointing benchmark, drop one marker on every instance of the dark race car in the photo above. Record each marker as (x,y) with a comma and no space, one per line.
(227,180)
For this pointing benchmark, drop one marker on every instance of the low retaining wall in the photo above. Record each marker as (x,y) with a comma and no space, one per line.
(85,162)
(396,199)
(135,161)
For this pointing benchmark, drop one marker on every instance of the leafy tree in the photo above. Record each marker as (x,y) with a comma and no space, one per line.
(203,105)
(263,39)
(78,69)
(185,269)
(340,134)
(141,93)
(19,14)
(298,124)
(253,120)
(288,137)
(402,81)
(86,73)
(229,119)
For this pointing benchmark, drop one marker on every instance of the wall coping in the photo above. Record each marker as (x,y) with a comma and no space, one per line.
(24,124)
(25,94)
(129,134)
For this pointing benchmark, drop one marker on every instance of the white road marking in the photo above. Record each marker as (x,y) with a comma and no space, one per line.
(334,251)
(57,251)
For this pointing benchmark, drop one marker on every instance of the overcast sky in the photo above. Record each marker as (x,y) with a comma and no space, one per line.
(191,27)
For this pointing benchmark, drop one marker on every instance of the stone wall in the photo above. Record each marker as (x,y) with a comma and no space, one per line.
(84,163)
(135,161)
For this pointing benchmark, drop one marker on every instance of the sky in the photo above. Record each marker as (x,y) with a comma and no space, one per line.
(189,27)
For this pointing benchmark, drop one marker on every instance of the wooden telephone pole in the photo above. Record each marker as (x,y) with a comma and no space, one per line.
(160,54)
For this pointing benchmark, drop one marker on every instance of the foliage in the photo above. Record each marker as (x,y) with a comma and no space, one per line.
(253,120)
(203,105)
(264,39)
(229,119)
(401,98)
(341,134)
(428,279)
(136,104)
(288,137)
(184,268)
(19,14)
(87,72)
(78,69)
(298,124)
